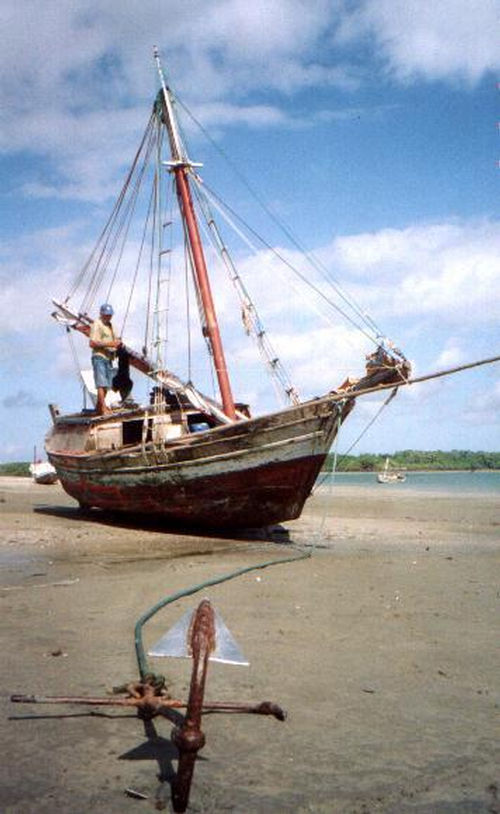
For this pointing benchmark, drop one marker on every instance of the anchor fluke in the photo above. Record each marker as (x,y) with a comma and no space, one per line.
(176,642)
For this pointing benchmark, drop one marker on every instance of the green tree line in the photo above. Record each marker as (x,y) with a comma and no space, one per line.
(18,468)
(414,459)
(411,459)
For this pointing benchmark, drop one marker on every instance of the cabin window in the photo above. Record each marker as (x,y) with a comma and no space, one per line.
(132,432)
(199,422)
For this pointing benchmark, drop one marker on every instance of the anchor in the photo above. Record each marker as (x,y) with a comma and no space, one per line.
(202,636)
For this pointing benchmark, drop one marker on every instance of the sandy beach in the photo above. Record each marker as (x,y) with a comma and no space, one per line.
(382,646)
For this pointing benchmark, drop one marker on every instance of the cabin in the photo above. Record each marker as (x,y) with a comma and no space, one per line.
(169,417)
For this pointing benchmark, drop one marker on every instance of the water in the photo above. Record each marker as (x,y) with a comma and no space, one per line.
(479,483)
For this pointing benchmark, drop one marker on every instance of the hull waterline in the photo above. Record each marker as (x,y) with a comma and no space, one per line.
(251,474)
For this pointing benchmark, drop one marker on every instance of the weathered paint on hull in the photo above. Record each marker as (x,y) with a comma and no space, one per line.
(243,475)
(249,498)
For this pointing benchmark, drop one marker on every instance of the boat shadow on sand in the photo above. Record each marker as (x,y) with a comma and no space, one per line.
(277,534)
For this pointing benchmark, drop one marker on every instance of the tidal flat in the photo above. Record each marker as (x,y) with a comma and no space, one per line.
(382,645)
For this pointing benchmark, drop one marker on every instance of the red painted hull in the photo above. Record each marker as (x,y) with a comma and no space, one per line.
(244,475)
(252,498)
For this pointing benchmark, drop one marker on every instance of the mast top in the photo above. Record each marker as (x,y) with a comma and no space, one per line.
(177,148)
(180,166)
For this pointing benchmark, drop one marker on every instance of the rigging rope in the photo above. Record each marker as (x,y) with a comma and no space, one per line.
(82,274)
(338,459)
(188,316)
(251,319)
(138,263)
(107,241)
(372,337)
(126,221)
(168,279)
(76,361)
(354,394)
(369,322)
(406,382)
(148,328)
(321,525)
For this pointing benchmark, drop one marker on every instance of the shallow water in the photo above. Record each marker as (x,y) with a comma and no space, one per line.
(480,482)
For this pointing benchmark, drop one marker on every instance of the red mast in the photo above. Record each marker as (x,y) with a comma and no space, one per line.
(180,166)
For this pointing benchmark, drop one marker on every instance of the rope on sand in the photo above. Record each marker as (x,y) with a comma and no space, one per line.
(144,669)
(139,647)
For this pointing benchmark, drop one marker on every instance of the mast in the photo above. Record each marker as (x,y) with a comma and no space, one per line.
(180,165)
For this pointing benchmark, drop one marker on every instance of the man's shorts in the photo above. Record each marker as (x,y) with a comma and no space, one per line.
(103,372)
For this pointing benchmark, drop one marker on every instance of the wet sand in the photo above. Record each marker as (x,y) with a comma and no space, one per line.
(382,646)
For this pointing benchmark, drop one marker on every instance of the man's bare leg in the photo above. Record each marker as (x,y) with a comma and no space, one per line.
(102,407)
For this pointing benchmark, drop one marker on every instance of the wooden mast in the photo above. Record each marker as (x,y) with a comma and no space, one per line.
(180,165)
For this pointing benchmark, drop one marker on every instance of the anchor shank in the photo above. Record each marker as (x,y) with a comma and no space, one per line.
(190,738)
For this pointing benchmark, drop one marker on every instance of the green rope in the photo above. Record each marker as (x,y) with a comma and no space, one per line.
(142,663)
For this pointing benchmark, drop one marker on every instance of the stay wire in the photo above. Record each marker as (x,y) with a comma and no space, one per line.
(169,197)
(279,375)
(101,241)
(369,322)
(121,213)
(139,259)
(344,455)
(321,526)
(375,338)
(147,326)
(129,212)
(188,316)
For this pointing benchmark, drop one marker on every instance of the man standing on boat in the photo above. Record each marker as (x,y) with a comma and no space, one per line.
(104,345)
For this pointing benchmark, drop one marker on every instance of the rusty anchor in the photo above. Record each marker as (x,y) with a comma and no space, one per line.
(202,636)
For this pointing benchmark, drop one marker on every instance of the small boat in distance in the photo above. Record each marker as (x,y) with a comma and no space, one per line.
(42,471)
(205,461)
(389,475)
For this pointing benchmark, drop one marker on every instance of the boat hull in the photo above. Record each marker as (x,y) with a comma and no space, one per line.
(249,474)
(253,497)
(43,473)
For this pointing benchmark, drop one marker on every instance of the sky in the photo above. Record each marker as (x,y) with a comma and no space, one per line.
(371,128)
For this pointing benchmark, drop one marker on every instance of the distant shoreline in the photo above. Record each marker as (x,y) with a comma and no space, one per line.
(408,471)
(5,473)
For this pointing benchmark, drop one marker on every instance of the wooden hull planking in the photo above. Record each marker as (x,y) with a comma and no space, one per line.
(248,474)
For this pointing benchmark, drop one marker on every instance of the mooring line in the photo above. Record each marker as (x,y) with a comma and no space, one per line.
(142,663)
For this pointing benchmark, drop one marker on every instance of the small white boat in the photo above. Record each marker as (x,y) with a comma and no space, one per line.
(389,475)
(43,472)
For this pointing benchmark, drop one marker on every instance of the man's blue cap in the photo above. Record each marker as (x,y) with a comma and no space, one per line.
(107,309)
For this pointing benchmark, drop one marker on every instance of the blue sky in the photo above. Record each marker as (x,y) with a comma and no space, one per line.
(369,127)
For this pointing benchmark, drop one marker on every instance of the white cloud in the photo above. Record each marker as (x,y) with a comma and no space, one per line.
(451,355)
(77,79)
(450,271)
(219,114)
(484,406)
(69,69)
(447,40)
(447,275)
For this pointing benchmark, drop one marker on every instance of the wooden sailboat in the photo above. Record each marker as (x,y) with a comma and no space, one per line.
(391,475)
(195,459)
